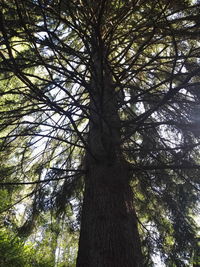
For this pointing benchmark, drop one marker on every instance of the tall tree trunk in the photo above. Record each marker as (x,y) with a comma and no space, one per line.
(109,235)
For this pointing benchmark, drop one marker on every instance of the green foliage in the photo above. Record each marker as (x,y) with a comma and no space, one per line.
(12,251)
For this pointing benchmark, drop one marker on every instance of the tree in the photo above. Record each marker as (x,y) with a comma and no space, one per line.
(105,94)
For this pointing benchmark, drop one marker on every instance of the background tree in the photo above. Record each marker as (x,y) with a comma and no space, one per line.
(104,94)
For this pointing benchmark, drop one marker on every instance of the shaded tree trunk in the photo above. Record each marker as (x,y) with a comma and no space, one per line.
(109,235)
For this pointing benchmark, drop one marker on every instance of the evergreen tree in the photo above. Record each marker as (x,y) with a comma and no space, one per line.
(105,95)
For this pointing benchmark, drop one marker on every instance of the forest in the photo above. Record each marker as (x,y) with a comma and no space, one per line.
(99,133)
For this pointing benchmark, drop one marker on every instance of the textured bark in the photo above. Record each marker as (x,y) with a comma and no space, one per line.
(109,235)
